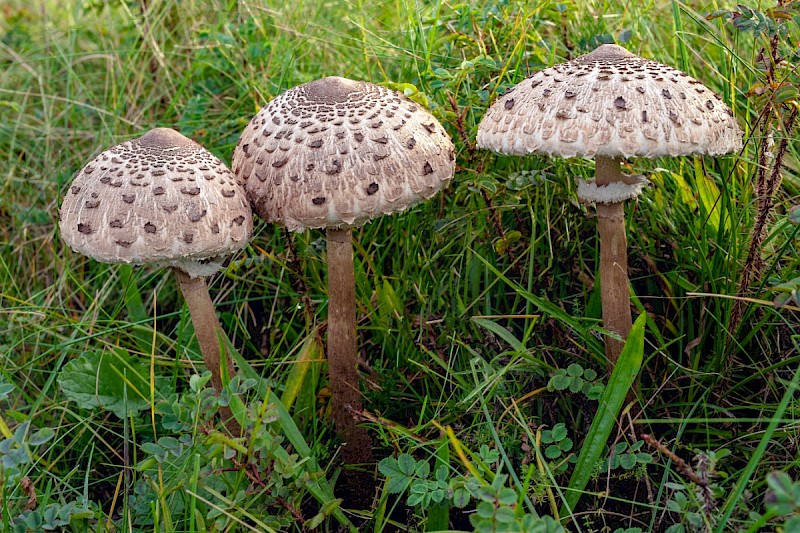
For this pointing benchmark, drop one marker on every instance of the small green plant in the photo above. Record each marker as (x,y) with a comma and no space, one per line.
(71,516)
(558,448)
(694,501)
(204,469)
(496,506)
(786,292)
(16,452)
(577,379)
(626,456)
(406,473)
(498,510)
(783,500)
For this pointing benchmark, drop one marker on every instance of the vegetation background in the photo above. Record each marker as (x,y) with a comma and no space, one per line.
(478,311)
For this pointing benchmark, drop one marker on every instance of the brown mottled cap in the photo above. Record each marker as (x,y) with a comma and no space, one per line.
(613,103)
(337,152)
(160,198)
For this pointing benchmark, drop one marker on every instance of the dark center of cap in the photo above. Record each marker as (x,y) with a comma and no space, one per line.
(162,138)
(330,90)
(606,52)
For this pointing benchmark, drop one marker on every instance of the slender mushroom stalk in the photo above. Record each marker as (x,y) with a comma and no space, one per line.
(163,199)
(209,333)
(342,346)
(207,328)
(614,288)
(610,104)
(335,153)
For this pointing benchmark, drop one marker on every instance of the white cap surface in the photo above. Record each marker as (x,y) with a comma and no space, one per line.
(336,152)
(613,103)
(160,198)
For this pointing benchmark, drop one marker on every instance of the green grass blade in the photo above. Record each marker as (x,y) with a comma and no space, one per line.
(501,332)
(755,459)
(439,515)
(309,352)
(319,488)
(137,313)
(630,360)
(593,345)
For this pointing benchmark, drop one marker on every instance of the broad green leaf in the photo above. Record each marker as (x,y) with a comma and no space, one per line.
(461,497)
(314,522)
(504,515)
(485,510)
(709,196)
(389,304)
(560,382)
(501,332)
(574,370)
(623,376)
(686,193)
(552,451)
(110,380)
(507,496)
(389,468)
(309,352)
(5,390)
(406,464)
(415,499)
(627,461)
(422,470)
(41,436)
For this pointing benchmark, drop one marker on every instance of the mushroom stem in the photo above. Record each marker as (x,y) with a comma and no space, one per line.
(208,331)
(342,349)
(614,286)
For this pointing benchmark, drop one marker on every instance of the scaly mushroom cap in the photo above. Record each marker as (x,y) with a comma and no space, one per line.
(160,198)
(613,103)
(337,152)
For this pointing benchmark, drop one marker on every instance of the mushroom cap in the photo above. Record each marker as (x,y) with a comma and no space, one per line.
(613,103)
(336,152)
(160,198)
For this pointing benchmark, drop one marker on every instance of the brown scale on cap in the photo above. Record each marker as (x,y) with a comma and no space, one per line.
(132,204)
(337,152)
(613,103)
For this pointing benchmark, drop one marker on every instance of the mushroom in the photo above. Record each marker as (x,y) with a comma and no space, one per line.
(333,154)
(162,199)
(610,104)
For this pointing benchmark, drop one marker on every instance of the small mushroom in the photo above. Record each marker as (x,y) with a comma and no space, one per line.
(610,104)
(159,224)
(366,151)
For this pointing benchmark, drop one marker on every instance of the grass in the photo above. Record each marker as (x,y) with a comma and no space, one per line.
(467,304)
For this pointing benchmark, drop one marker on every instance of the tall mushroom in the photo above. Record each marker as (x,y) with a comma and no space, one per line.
(334,153)
(162,199)
(610,104)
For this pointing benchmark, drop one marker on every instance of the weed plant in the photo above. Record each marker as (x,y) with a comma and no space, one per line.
(478,312)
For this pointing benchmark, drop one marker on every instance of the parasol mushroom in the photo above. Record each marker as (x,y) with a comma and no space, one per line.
(335,153)
(162,199)
(610,104)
